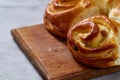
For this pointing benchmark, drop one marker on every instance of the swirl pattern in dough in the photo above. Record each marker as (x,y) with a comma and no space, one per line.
(94,41)
(60,15)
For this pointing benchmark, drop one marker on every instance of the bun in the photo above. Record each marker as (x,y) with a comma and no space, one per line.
(95,42)
(59,15)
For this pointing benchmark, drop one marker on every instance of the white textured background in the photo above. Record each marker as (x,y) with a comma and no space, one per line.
(16,13)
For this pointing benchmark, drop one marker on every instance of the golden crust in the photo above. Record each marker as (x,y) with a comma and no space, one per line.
(61,14)
(59,24)
(95,40)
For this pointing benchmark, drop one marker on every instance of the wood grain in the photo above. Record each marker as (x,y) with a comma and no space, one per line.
(51,56)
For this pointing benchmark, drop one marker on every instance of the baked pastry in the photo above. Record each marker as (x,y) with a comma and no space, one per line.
(60,15)
(95,41)
(91,28)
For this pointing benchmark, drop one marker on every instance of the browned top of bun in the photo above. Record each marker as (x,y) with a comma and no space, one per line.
(61,14)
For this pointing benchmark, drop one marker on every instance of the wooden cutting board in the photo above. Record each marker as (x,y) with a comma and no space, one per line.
(51,56)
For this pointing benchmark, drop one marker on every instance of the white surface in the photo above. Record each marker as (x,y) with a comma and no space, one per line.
(13,64)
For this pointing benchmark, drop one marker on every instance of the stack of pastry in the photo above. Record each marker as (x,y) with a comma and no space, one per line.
(92,29)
